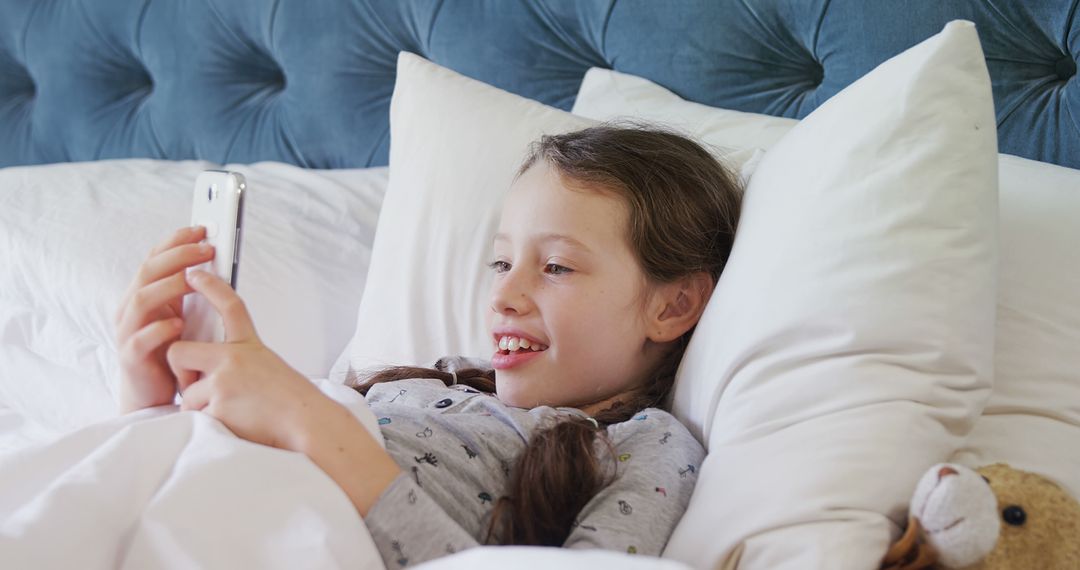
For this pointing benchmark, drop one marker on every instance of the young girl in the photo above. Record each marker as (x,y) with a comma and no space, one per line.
(610,243)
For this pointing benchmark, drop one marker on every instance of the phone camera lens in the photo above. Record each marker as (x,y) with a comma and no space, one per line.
(210,194)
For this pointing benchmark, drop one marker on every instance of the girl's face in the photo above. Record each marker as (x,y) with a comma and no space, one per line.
(567,283)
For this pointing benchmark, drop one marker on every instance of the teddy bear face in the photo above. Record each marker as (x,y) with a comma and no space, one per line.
(1040,522)
(957,513)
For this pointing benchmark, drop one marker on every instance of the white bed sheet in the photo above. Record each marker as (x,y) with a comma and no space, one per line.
(166,489)
(17,432)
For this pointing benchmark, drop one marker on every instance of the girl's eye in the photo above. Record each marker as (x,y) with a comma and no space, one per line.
(556,269)
(499,266)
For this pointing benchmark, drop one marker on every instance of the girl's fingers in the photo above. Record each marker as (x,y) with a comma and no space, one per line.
(180,236)
(195,396)
(233,311)
(149,338)
(165,265)
(188,359)
(186,378)
(144,303)
(188,355)
(164,259)
(168,264)
(172,261)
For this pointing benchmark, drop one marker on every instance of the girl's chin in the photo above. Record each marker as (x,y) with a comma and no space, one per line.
(513,390)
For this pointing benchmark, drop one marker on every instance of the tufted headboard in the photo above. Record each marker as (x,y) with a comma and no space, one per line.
(309,81)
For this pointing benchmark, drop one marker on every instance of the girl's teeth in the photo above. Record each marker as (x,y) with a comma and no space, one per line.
(512,344)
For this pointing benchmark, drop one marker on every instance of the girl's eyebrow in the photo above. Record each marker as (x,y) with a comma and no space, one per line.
(551,236)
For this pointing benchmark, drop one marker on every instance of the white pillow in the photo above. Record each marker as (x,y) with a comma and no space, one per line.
(847,347)
(606,95)
(73,235)
(456,144)
(1032,419)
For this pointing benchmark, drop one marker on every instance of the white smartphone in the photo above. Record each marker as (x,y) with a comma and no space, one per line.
(217,203)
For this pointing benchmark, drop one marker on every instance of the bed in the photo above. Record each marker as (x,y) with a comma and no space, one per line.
(109,109)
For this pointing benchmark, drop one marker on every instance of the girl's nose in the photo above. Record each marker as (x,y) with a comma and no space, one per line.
(508,294)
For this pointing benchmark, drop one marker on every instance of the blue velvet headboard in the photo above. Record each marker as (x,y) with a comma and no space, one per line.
(309,81)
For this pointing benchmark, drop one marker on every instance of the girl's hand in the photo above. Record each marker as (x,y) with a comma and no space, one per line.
(149,319)
(261,399)
(243,383)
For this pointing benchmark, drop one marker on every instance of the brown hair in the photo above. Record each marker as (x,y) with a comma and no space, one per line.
(683,209)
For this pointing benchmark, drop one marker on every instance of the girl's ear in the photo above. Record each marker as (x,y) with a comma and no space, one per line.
(678,306)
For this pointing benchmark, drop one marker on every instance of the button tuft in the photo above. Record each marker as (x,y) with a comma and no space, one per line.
(141,80)
(817,74)
(1065,68)
(24,84)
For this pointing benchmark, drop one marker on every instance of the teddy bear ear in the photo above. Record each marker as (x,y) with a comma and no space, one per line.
(909,552)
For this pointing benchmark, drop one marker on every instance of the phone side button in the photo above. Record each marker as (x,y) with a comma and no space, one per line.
(236,247)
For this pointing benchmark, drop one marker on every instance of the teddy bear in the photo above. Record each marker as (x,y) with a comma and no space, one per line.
(992,518)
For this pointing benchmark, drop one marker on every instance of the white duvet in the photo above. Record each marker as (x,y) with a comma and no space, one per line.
(161,488)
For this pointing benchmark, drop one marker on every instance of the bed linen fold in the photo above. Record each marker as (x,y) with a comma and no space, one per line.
(161,488)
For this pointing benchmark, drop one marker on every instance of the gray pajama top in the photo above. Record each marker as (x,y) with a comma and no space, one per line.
(456,447)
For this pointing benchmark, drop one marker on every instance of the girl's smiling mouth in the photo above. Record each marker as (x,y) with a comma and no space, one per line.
(514,348)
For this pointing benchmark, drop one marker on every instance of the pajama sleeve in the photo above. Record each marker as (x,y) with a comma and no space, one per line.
(656,468)
(409,527)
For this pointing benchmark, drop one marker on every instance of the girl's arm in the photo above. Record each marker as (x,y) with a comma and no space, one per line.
(344,449)
(657,462)
(409,527)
